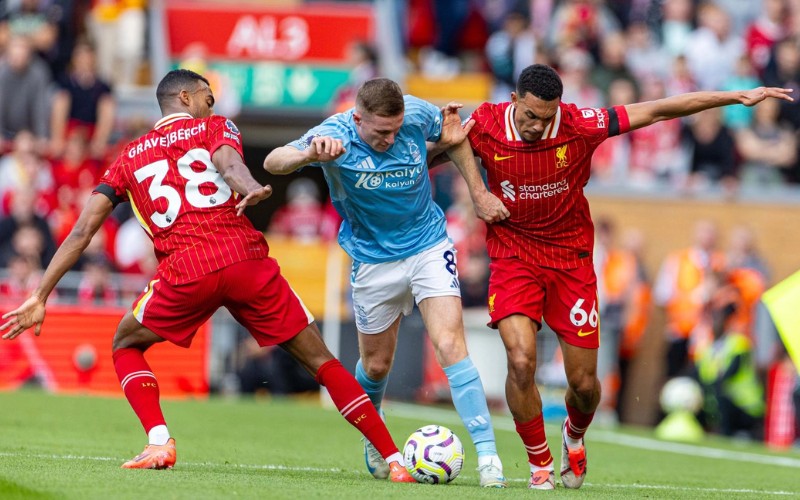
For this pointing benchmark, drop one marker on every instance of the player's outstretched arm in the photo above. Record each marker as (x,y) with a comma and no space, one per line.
(487,206)
(31,312)
(287,159)
(230,164)
(643,114)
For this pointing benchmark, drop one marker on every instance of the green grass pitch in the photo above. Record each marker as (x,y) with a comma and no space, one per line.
(72,447)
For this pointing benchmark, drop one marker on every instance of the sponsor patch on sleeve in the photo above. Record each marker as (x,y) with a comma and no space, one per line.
(231,126)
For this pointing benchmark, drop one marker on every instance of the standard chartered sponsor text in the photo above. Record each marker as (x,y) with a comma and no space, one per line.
(538,191)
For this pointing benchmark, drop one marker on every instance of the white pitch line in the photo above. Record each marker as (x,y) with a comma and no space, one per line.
(334,469)
(441,415)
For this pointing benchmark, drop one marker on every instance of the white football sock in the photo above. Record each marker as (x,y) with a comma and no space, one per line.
(158,435)
(571,443)
(396,457)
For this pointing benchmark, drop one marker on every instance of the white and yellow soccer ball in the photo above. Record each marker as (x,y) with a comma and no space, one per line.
(681,394)
(434,455)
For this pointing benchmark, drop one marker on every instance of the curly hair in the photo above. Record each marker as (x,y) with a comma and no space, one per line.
(540,80)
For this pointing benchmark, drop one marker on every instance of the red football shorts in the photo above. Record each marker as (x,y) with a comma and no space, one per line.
(253,291)
(565,298)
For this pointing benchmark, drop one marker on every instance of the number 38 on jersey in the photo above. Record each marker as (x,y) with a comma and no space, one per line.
(217,190)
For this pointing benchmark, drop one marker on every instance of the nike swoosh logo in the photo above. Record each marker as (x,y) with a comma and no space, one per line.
(581,333)
(501,158)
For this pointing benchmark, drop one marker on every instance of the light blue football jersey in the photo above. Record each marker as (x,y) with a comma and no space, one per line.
(384,198)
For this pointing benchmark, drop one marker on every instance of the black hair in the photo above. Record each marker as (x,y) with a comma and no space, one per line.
(175,81)
(540,80)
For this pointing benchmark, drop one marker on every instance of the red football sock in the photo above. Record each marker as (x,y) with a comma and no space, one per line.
(139,385)
(577,422)
(355,406)
(535,441)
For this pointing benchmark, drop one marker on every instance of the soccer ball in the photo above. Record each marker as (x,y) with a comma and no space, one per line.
(434,455)
(681,394)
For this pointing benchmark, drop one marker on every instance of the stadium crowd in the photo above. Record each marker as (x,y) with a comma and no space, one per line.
(60,61)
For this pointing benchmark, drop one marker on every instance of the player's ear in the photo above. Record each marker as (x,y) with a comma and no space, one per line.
(357,117)
(184,96)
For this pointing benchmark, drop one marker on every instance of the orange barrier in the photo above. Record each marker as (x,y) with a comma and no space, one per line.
(73,355)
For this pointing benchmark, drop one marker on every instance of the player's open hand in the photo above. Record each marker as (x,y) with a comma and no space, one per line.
(453,130)
(30,313)
(489,208)
(324,149)
(755,96)
(253,198)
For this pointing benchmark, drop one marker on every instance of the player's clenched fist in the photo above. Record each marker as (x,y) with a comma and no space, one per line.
(324,149)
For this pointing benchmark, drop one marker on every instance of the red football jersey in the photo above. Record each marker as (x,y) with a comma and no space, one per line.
(180,198)
(541,183)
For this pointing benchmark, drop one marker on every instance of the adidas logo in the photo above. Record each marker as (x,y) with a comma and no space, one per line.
(477,422)
(366,164)
(454,284)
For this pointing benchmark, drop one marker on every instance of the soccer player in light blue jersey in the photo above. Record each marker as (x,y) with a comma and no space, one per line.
(374,157)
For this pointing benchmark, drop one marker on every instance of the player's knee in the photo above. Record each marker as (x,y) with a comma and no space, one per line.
(450,348)
(585,386)
(521,366)
(377,368)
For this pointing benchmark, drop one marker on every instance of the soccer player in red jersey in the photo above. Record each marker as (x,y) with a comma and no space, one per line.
(537,152)
(188,186)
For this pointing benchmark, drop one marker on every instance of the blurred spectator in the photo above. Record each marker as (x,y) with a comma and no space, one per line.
(24,274)
(363,59)
(304,218)
(227,100)
(783,71)
(713,49)
(762,34)
(575,66)
(97,285)
(35,20)
(683,287)
(83,104)
(581,24)
(134,250)
(676,25)
(117,28)
(713,157)
(469,237)
(509,51)
(743,252)
(24,91)
(613,66)
(101,246)
(738,116)
(748,273)
(656,155)
(734,396)
(611,159)
(680,79)
(23,169)
(645,57)
(75,171)
(766,148)
(624,307)
(741,13)
(451,19)
(25,232)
